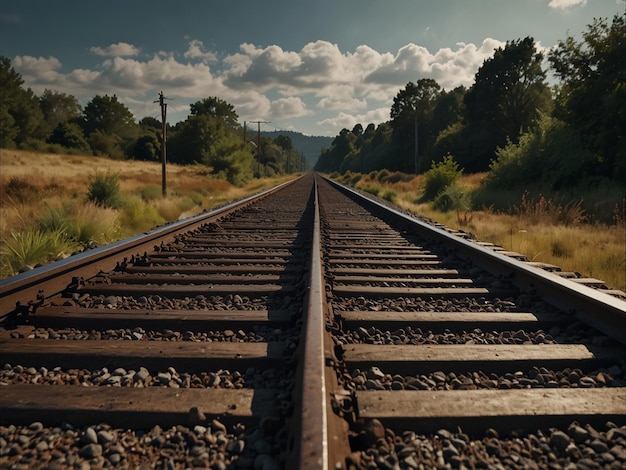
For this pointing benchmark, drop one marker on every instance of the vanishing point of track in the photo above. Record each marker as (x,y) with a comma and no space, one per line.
(308,328)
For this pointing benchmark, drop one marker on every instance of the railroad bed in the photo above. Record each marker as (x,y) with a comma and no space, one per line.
(303,328)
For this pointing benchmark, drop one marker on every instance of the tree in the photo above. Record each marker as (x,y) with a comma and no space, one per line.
(107,114)
(413,105)
(70,136)
(148,148)
(109,126)
(506,99)
(217,108)
(20,116)
(58,108)
(592,96)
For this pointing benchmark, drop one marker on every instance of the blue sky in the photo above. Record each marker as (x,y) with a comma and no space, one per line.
(312,66)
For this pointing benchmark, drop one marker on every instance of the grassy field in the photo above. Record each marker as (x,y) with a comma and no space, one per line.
(45,213)
(540,229)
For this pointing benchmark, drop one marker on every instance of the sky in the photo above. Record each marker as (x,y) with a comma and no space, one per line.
(313,66)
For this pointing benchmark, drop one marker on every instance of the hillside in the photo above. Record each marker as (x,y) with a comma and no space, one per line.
(310,146)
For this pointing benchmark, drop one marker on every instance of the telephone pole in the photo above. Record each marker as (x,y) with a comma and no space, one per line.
(163,105)
(258,140)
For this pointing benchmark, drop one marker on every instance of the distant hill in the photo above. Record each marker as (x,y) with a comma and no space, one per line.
(310,146)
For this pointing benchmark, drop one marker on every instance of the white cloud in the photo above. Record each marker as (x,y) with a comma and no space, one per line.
(196,51)
(339,88)
(288,108)
(450,68)
(120,49)
(565,4)
(334,124)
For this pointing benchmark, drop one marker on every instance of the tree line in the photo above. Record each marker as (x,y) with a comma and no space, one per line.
(509,121)
(211,135)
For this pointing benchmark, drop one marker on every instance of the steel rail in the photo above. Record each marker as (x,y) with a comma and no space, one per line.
(602,311)
(17,293)
(313,425)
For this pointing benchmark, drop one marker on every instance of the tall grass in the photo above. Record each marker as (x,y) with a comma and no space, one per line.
(30,248)
(576,234)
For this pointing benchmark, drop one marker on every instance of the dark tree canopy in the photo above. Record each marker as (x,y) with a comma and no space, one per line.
(20,115)
(592,97)
(506,99)
(107,114)
(58,108)
(217,108)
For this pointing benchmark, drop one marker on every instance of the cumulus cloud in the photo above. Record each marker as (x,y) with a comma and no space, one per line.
(196,51)
(449,67)
(344,120)
(120,49)
(288,108)
(565,4)
(340,88)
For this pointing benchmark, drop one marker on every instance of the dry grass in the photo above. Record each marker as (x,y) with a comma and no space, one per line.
(593,250)
(33,183)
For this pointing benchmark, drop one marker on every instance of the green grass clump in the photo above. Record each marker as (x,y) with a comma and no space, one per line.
(440,176)
(30,248)
(104,190)
(390,195)
(138,216)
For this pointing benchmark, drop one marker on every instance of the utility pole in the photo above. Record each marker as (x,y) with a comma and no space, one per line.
(416,146)
(258,140)
(163,105)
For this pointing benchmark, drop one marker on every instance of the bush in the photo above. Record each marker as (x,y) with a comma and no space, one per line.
(104,190)
(390,195)
(21,190)
(440,176)
(139,216)
(452,198)
(29,248)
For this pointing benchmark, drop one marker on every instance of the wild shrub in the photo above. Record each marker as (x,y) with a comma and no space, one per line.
(390,195)
(150,193)
(21,190)
(29,248)
(440,176)
(372,189)
(548,211)
(104,189)
(136,215)
(453,197)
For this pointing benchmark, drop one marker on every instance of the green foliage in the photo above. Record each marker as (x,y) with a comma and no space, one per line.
(58,108)
(453,198)
(106,145)
(69,136)
(551,155)
(147,148)
(592,97)
(150,193)
(505,100)
(138,215)
(390,195)
(28,248)
(372,189)
(20,115)
(108,115)
(104,189)
(217,108)
(413,105)
(440,176)
(82,223)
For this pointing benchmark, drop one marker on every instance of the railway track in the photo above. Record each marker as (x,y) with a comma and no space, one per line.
(305,328)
